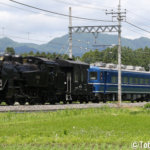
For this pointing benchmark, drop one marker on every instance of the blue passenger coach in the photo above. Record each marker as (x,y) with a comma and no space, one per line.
(135,84)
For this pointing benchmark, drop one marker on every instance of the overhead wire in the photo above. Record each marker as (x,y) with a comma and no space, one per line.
(138,15)
(82,6)
(138,33)
(60,14)
(27,10)
(79,2)
(137,27)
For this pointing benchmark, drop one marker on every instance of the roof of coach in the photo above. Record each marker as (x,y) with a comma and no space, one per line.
(95,68)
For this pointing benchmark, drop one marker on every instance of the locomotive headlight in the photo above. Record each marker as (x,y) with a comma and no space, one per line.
(1,58)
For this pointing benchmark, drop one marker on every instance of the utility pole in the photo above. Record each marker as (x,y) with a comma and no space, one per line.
(120,18)
(119,54)
(70,33)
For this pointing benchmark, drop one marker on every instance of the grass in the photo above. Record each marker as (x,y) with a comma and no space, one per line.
(101,128)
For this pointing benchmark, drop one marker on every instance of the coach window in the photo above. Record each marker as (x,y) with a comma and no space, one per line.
(93,75)
(136,80)
(140,81)
(143,81)
(113,79)
(125,80)
(146,81)
(132,80)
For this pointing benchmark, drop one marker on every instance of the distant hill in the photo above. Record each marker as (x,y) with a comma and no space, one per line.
(81,44)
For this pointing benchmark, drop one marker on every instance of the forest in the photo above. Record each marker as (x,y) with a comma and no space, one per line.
(138,57)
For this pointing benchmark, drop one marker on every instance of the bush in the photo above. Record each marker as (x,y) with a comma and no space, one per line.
(147,105)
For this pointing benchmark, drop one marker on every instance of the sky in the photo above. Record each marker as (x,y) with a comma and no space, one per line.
(24,24)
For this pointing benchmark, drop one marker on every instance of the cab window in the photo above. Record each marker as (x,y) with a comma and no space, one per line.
(76,77)
(93,75)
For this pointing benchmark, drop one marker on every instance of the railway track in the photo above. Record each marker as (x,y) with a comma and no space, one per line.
(36,108)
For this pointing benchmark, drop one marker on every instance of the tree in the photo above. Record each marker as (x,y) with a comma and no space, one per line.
(37,54)
(43,54)
(31,53)
(10,50)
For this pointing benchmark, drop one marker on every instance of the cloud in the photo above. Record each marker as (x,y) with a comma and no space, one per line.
(18,22)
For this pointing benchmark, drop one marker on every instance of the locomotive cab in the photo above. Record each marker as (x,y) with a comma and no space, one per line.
(76,80)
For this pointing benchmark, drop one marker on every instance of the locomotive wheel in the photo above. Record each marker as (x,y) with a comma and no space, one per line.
(10,101)
(64,102)
(42,102)
(52,102)
(104,101)
(22,101)
(70,102)
(31,102)
(87,99)
(81,101)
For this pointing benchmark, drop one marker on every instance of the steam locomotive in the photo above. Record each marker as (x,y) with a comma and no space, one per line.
(38,80)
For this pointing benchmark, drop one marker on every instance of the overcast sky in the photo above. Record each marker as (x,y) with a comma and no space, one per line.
(29,25)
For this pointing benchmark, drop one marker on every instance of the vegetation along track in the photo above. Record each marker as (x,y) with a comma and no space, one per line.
(32,108)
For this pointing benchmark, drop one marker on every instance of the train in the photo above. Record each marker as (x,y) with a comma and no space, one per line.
(37,80)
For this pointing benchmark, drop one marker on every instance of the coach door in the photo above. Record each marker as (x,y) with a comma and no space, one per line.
(105,82)
(68,96)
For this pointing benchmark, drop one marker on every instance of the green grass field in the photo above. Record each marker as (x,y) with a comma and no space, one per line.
(103,128)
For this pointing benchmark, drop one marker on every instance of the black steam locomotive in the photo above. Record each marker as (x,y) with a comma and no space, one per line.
(38,80)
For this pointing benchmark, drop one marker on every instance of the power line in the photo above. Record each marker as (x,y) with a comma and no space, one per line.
(27,10)
(141,24)
(79,2)
(77,5)
(60,14)
(135,31)
(1,3)
(138,15)
(137,27)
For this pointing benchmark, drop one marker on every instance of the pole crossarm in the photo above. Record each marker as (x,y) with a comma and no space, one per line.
(94,29)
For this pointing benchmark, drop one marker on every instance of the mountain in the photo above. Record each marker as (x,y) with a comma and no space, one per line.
(81,44)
